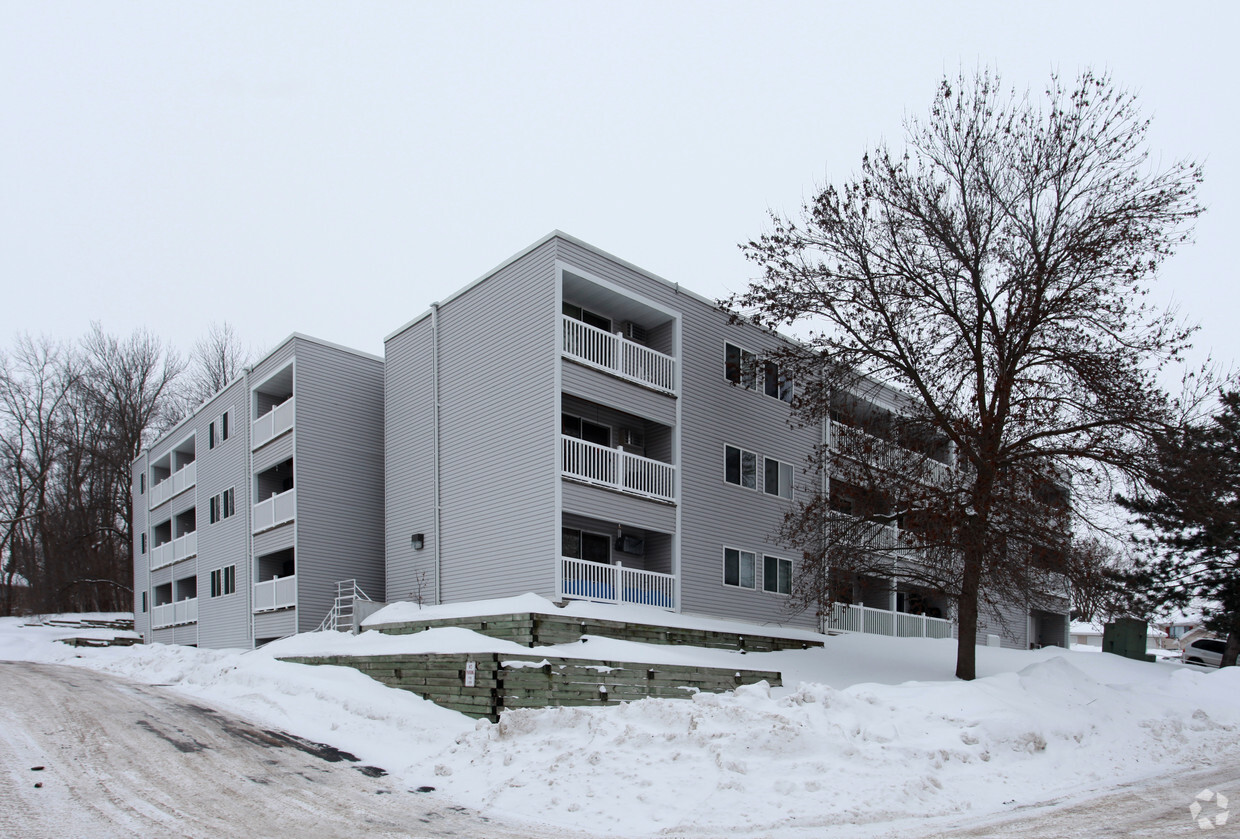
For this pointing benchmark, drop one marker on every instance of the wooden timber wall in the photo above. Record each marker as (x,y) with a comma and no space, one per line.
(537,630)
(503,681)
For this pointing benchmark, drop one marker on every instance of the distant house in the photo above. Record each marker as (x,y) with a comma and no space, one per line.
(1084,634)
(568,425)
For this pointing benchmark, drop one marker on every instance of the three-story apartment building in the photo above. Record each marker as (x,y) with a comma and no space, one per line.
(249,511)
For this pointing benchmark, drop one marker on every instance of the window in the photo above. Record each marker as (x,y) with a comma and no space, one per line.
(211,436)
(143,541)
(144,601)
(583,429)
(215,509)
(777,575)
(740,467)
(587,317)
(738,568)
(739,366)
(774,384)
(224,425)
(223,581)
(141,483)
(217,431)
(228,508)
(777,478)
(580,544)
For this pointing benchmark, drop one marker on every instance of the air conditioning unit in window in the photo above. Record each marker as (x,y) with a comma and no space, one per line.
(631,545)
(635,332)
(632,437)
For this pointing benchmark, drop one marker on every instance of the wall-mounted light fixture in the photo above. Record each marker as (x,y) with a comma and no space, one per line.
(418,540)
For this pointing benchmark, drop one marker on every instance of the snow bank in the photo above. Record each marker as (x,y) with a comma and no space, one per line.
(850,746)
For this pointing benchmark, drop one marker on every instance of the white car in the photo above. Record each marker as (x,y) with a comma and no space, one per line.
(1207,652)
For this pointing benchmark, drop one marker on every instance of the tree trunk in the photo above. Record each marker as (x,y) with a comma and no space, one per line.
(966,614)
(1233,641)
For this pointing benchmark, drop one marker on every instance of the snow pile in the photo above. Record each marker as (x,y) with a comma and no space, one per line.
(848,747)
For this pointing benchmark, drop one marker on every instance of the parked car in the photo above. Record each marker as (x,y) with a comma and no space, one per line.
(1207,652)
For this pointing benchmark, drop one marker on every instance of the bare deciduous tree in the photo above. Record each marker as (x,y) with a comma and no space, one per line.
(995,270)
(216,359)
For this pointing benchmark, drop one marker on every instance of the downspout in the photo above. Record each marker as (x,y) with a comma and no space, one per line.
(435,432)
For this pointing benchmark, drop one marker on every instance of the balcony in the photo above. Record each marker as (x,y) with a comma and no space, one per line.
(617,469)
(280,593)
(613,354)
(174,551)
(585,580)
(849,618)
(884,454)
(273,423)
(174,484)
(276,510)
(175,614)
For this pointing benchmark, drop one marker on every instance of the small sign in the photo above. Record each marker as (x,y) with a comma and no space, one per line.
(471,670)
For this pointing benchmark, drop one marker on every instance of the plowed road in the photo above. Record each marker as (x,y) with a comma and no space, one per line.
(123,760)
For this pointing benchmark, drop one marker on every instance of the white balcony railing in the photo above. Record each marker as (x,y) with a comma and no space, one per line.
(162,555)
(617,469)
(850,618)
(273,423)
(613,353)
(277,509)
(174,484)
(174,551)
(859,444)
(279,593)
(175,614)
(584,580)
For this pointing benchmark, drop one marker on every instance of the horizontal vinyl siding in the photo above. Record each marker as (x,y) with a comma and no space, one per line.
(141,564)
(713,413)
(409,450)
(275,624)
(225,621)
(276,539)
(1011,625)
(617,507)
(597,386)
(277,451)
(338,469)
(498,430)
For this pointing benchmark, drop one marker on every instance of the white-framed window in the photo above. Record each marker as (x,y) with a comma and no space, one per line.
(141,483)
(777,478)
(144,601)
(211,435)
(224,418)
(740,366)
(217,430)
(143,541)
(228,507)
(224,581)
(740,467)
(738,568)
(774,383)
(777,575)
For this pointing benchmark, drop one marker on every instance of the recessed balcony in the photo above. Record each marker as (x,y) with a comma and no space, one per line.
(613,353)
(277,421)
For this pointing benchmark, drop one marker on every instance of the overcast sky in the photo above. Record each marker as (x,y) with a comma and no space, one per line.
(332,168)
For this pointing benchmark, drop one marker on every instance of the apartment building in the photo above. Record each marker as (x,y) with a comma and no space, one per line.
(249,511)
(574,426)
(567,424)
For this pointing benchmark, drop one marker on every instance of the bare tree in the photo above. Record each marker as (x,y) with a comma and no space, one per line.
(216,359)
(995,270)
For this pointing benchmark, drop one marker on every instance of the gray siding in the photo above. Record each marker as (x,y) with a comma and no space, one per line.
(141,574)
(617,507)
(498,432)
(275,624)
(338,465)
(278,538)
(714,413)
(596,386)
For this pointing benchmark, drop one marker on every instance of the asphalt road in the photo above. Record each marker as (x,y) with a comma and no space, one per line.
(122,759)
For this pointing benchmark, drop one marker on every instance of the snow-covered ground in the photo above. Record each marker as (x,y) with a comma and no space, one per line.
(869,735)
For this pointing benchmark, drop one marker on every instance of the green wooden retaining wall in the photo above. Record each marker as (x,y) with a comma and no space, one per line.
(538,630)
(504,681)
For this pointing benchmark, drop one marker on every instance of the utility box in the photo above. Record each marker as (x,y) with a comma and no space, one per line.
(1126,637)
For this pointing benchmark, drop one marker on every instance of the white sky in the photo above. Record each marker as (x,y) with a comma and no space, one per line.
(331,168)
